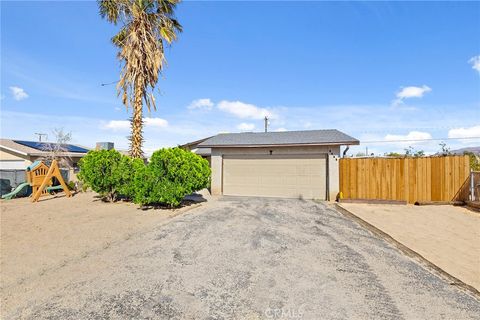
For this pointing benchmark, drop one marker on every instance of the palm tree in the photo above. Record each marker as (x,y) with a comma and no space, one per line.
(146,26)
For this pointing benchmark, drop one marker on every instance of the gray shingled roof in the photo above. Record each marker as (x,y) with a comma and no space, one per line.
(310,137)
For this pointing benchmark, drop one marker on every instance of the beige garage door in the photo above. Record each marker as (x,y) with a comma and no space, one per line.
(275,176)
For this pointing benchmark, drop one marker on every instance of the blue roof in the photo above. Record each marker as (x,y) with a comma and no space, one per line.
(43,146)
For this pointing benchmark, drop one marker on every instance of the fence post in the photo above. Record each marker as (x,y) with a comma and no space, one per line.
(472,186)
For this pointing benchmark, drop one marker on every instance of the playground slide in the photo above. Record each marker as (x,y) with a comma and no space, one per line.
(17,190)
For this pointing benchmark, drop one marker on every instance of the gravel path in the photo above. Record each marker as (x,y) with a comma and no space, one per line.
(245,258)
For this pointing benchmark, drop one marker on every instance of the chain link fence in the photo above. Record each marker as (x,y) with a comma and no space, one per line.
(10,179)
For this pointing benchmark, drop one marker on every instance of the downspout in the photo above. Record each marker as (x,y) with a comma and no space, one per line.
(327,195)
(345,151)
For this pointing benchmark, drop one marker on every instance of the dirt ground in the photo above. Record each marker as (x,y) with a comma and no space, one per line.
(44,236)
(447,236)
(234,258)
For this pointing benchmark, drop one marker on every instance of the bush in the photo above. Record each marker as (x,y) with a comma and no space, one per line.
(71,186)
(171,174)
(125,173)
(474,160)
(109,173)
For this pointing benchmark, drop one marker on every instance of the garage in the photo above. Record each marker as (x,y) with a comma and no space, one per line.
(288,164)
(287,176)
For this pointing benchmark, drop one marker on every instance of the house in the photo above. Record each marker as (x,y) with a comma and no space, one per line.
(18,154)
(193,146)
(291,164)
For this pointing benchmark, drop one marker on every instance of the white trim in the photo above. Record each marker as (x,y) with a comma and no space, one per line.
(10,149)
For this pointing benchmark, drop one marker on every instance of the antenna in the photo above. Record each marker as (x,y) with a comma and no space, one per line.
(266,123)
(40,135)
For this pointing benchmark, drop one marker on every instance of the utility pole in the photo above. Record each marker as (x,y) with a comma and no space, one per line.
(40,135)
(266,123)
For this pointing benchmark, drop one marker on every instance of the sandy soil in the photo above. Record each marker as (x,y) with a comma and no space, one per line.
(447,236)
(44,236)
(243,258)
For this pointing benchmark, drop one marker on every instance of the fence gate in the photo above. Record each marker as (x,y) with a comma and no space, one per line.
(403,179)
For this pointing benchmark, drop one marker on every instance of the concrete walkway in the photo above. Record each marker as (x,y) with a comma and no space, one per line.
(447,236)
(244,258)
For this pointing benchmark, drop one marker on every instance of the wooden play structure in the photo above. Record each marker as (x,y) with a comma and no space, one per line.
(39,176)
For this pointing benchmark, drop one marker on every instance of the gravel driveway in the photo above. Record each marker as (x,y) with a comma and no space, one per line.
(246,258)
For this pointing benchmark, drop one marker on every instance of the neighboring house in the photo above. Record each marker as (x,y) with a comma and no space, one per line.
(292,164)
(18,154)
(193,146)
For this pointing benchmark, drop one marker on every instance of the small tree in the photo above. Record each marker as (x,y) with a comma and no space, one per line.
(419,153)
(58,149)
(444,150)
(411,152)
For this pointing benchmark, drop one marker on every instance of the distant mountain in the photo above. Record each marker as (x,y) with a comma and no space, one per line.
(475,150)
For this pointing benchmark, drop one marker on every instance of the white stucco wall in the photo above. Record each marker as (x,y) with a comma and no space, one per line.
(11,160)
(333,160)
(7,156)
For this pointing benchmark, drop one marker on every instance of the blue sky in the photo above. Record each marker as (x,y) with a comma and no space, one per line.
(379,71)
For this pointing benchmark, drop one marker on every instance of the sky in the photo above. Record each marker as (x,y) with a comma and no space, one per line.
(378,71)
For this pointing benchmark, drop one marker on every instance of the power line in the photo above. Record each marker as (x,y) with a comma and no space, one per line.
(107,84)
(418,140)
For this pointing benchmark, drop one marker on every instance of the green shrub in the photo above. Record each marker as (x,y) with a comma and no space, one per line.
(109,173)
(474,160)
(71,185)
(125,173)
(171,174)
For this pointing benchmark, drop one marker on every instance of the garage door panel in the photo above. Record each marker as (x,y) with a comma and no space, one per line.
(275,176)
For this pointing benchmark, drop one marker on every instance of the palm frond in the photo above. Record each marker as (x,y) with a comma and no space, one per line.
(146,24)
(109,9)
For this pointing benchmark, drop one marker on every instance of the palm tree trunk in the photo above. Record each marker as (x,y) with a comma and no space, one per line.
(136,138)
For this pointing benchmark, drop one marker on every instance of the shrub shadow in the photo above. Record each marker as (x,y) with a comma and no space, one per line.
(188,201)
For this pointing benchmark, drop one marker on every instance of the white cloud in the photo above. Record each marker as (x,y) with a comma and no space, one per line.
(125,124)
(410,92)
(464,132)
(244,110)
(475,62)
(117,125)
(413,92)
(412,135)
(155,122)
(280,129)
(18,93)
(246,126)
(206,104)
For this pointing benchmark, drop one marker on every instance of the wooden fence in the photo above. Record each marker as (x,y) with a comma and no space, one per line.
(403,179)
